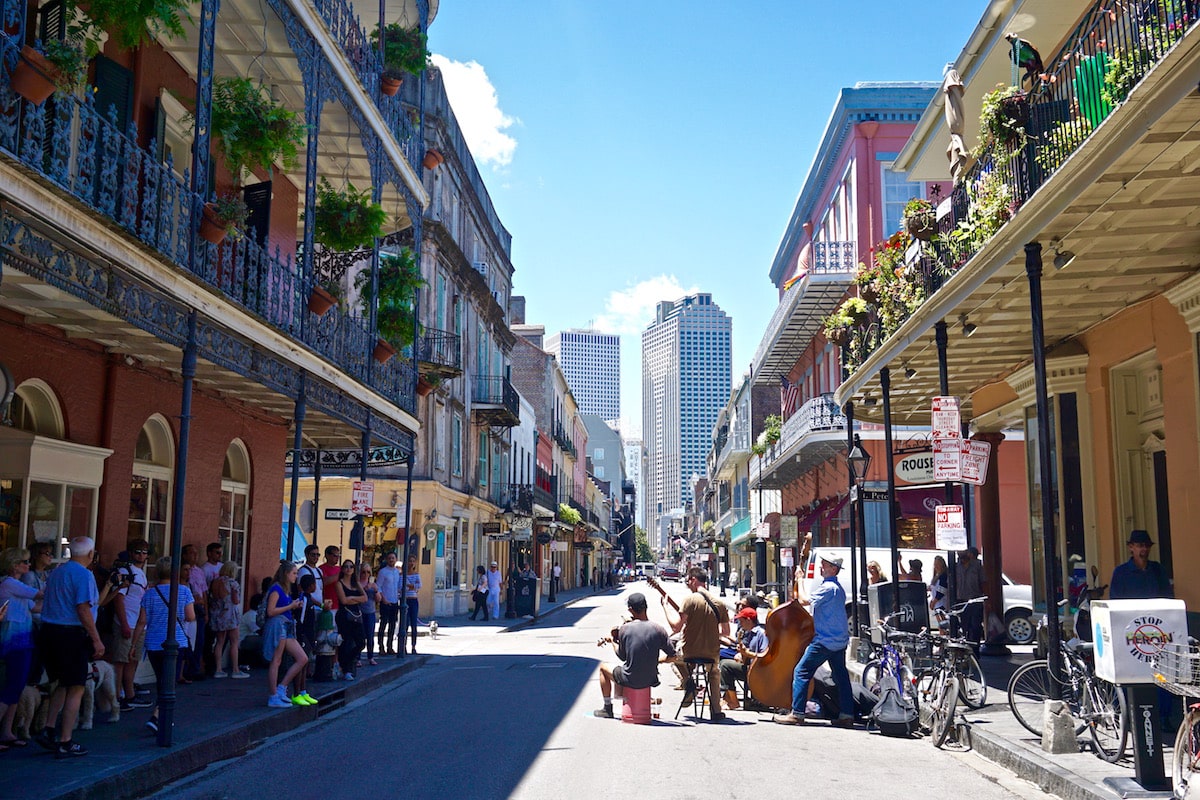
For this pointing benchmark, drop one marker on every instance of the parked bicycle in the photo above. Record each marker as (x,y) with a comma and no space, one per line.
(890,659)
(1097,705)
(952,673)
(1177,669)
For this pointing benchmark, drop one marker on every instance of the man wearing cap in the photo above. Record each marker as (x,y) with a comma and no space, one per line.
(1139,577)
(831,636)
(638,643)
(494,579)
(752,643)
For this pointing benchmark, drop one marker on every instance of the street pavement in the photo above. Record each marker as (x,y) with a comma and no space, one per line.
(504,709)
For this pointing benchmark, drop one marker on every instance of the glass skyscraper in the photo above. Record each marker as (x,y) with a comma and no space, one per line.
(591,362)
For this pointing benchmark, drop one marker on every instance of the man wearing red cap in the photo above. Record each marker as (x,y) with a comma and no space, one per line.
(752,644)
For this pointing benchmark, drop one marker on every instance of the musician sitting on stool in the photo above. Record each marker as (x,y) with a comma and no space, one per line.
(831,636)
(752,643)
(703,622)
(638,643)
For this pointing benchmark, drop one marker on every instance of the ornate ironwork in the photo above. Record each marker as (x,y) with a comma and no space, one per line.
(440,352)
(496,401)
(349,457)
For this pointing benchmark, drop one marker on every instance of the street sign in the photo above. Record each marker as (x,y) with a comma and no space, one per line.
(975,457)
(947,460)
(950,531)
(339,513)
(545,537)
(946,421)
(362,497)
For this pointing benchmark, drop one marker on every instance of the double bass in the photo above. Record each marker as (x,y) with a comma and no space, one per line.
(789,633)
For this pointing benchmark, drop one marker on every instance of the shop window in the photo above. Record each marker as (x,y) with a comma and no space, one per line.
(150,487)
(235,503)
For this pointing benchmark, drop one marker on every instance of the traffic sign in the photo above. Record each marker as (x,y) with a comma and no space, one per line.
(950,530)
(947,460)
(975,457)
(339,513)
(946,421)
(362,497)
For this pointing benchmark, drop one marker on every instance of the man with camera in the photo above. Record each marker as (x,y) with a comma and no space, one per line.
(129,621)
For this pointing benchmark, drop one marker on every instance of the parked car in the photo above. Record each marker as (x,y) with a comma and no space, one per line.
(669,573)
(1020,626)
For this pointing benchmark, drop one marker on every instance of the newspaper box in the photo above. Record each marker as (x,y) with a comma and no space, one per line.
(1127,633)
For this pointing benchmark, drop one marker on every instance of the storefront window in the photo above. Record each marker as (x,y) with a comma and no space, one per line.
(10,512)
(148,504)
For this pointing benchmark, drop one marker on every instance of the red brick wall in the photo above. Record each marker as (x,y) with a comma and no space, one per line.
(88,381)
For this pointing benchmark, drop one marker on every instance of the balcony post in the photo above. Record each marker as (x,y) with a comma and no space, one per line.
(297,444)
(848,410)
(313,103)
(885,384)
(202,132)
(940,337)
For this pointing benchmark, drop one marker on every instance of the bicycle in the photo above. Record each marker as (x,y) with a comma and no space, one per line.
(888,659)
(1177,669)
(972,685)
(1098,705)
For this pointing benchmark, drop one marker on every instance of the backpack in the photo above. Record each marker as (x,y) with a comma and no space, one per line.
(825,692)
(894,714)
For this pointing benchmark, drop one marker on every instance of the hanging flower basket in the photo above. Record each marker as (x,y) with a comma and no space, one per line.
(320,300)
(869,292)
(839,336)
(34,77)
(389,85)
(383,351)
(424,387)
(433,158)
(212,228)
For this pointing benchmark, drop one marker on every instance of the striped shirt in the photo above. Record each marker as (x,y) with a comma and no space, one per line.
(154,602)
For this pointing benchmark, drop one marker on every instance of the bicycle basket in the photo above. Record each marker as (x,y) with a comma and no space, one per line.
(920,653)
(1177,668)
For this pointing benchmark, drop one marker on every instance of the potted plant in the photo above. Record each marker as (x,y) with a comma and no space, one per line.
(347,219)
(856,309)
(427,383)
(433,158)
(62,65)
(399,278)
(920,219)
(253,132)
(1004,116)
(404,51)
(324,295)
(132,23)
(225,216)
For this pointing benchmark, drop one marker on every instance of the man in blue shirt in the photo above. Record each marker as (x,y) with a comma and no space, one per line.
(831,636)
(1139,577)
(69,640)
(752,644)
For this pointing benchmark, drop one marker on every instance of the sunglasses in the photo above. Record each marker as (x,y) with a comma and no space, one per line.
(23,561)
(143,552)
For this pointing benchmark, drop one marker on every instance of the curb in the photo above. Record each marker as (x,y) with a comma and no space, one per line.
(158,767)
(1026,764)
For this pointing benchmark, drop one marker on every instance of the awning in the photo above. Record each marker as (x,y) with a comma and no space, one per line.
(740,531)
(807,520)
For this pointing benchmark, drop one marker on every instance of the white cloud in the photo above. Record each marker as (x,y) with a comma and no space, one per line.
(629,311)
(478,111)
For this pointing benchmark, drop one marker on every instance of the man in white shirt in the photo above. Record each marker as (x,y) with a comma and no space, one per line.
(494,578)
(555,580)
(212,567)
(129,623)
(388,581)
(312,554)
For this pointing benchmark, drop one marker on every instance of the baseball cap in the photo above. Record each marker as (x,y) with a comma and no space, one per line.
(747,613)
(494,564)
(636,602)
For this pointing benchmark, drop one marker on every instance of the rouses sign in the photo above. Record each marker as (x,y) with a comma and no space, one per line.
(915,468)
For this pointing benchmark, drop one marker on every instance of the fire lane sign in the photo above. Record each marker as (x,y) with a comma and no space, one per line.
(362,497)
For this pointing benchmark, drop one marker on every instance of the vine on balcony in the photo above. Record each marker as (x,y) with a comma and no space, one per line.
(770,435)
(568,515)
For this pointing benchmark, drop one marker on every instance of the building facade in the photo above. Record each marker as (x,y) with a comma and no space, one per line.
(591,361)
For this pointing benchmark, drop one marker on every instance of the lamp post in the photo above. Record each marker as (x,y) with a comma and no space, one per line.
(859,460)
(510,590)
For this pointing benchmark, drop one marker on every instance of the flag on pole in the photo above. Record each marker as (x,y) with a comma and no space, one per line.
(789,397)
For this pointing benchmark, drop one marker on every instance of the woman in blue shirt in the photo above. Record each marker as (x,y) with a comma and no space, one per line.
(279,635)
(16,638)
(156,607)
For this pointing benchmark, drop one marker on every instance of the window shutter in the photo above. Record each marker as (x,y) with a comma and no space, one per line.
(258,200)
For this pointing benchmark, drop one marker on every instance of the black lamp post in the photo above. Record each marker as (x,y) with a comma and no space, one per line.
(859,460)
(510,590)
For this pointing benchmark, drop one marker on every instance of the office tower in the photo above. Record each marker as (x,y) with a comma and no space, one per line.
(685,383)
(592,363)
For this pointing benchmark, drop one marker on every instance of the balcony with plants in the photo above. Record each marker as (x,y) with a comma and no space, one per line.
(226,231)
(1028,133)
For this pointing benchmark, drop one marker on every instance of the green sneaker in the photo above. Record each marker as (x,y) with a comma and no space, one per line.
(309,699)
(298,700)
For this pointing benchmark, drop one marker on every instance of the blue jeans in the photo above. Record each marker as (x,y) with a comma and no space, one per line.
(814,657)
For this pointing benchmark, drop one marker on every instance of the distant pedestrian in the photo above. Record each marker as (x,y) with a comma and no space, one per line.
(279,637)
(1139,577)
(349,618)
(412,590)
(875,573)
(555,579)
(16,638)
(494,581)
(191,574)
(370,588)
(969,584)
(479,593)
(747,577)
(226,616)
(388,582)
(156,605)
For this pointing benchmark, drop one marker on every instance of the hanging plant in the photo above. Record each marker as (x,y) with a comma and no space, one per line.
(347,220)
(1061,141)
(1003,117)
(399,278)
(405,51)
(325,295)
(62,64)
(568,514)
(252,130)
(224,217)
(920,219)
(132,23)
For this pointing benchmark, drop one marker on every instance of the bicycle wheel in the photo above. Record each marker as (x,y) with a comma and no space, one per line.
(943,710)
(1028,691)
(1186,760)
(1107,717)
(972,687)
(928,686)
(870,676)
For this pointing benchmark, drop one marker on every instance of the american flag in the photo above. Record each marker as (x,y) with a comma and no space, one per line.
(789,397)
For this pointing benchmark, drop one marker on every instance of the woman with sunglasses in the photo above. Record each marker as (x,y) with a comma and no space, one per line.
(16,638)
(351,598)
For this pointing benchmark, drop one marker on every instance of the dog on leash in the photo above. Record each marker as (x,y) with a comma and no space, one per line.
(31,712)
(99,691)
(433,629)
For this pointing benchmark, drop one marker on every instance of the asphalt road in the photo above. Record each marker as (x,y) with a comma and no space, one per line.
(509,715)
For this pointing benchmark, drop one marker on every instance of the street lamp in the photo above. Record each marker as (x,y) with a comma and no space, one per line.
(859,460)
(510,592)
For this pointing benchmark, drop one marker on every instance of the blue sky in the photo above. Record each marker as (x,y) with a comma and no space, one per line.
(640,150)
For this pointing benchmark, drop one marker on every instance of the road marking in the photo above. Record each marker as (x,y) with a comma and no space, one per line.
(460,669)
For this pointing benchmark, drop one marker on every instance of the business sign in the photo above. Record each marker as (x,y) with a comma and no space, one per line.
(789,534)
(915,468)
(947,460)
(975,457)
(362,497)
(950,529)
(946,419)
(545,537)
(339,513)
(490,528)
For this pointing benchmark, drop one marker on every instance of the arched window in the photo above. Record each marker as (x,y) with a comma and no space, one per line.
(150,491)
(235,504)
(35,409)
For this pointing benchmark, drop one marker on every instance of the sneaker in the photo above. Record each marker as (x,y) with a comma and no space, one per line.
(349,676)
(70,750)
(843,722)
(603,713)
(152,724)
(298,700)
(220,674)
(278,702)
(240,675)
(244,668)
(126,706)
(788,719)
(46,740)
(281,691)
(138,703)
(308,699)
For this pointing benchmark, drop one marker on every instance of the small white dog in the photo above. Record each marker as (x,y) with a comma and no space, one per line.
(31,712)
(100,691)
(433,629)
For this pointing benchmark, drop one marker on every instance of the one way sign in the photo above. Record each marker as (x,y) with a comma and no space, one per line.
(338,513)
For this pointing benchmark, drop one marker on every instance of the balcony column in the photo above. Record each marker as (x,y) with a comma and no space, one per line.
(202,131)
(942,340)
(855,500)
(407,547)
(885,385)
(297,444)
(314,101)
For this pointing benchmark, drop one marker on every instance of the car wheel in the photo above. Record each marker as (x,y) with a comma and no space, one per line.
(1019,626)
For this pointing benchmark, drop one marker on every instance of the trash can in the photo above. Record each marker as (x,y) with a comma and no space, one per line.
(526,596)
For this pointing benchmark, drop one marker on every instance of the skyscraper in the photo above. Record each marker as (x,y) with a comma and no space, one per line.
(591,362)
(685,383)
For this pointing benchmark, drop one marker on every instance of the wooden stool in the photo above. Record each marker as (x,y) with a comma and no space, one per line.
(698,681)
(637,706)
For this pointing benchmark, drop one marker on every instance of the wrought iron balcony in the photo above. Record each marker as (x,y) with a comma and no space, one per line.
(439,353)
(811,436)
(496,402)
(564,440)
(70,145)
(518,497)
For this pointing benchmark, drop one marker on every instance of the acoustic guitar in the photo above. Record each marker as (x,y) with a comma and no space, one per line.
(790,631)
(656,585)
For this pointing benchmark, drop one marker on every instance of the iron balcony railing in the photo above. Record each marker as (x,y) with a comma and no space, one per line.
(545,490)
(518,497)
(68,143)
(496,391)
(564,441)
(819,413)
(1105,57)
(441,349)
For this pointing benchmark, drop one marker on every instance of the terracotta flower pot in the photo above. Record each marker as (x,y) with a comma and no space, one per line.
(33,77)
(320,301)
(212,227)
(433,158)
(383,351)
(424,387)
(389,86)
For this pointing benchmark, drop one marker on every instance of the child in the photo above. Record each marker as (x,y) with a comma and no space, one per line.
(306,631)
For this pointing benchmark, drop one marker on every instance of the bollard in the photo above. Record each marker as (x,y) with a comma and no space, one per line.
(1058,729)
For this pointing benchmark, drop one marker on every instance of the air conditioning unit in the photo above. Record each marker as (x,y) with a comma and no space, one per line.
(481,267)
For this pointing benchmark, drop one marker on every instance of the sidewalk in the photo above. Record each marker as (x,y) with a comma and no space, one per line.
(214,720)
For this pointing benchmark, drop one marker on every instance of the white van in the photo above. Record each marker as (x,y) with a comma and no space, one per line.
(646,569)
(1018,598)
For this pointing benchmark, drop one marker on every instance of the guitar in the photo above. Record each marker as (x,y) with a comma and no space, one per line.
(656,585)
